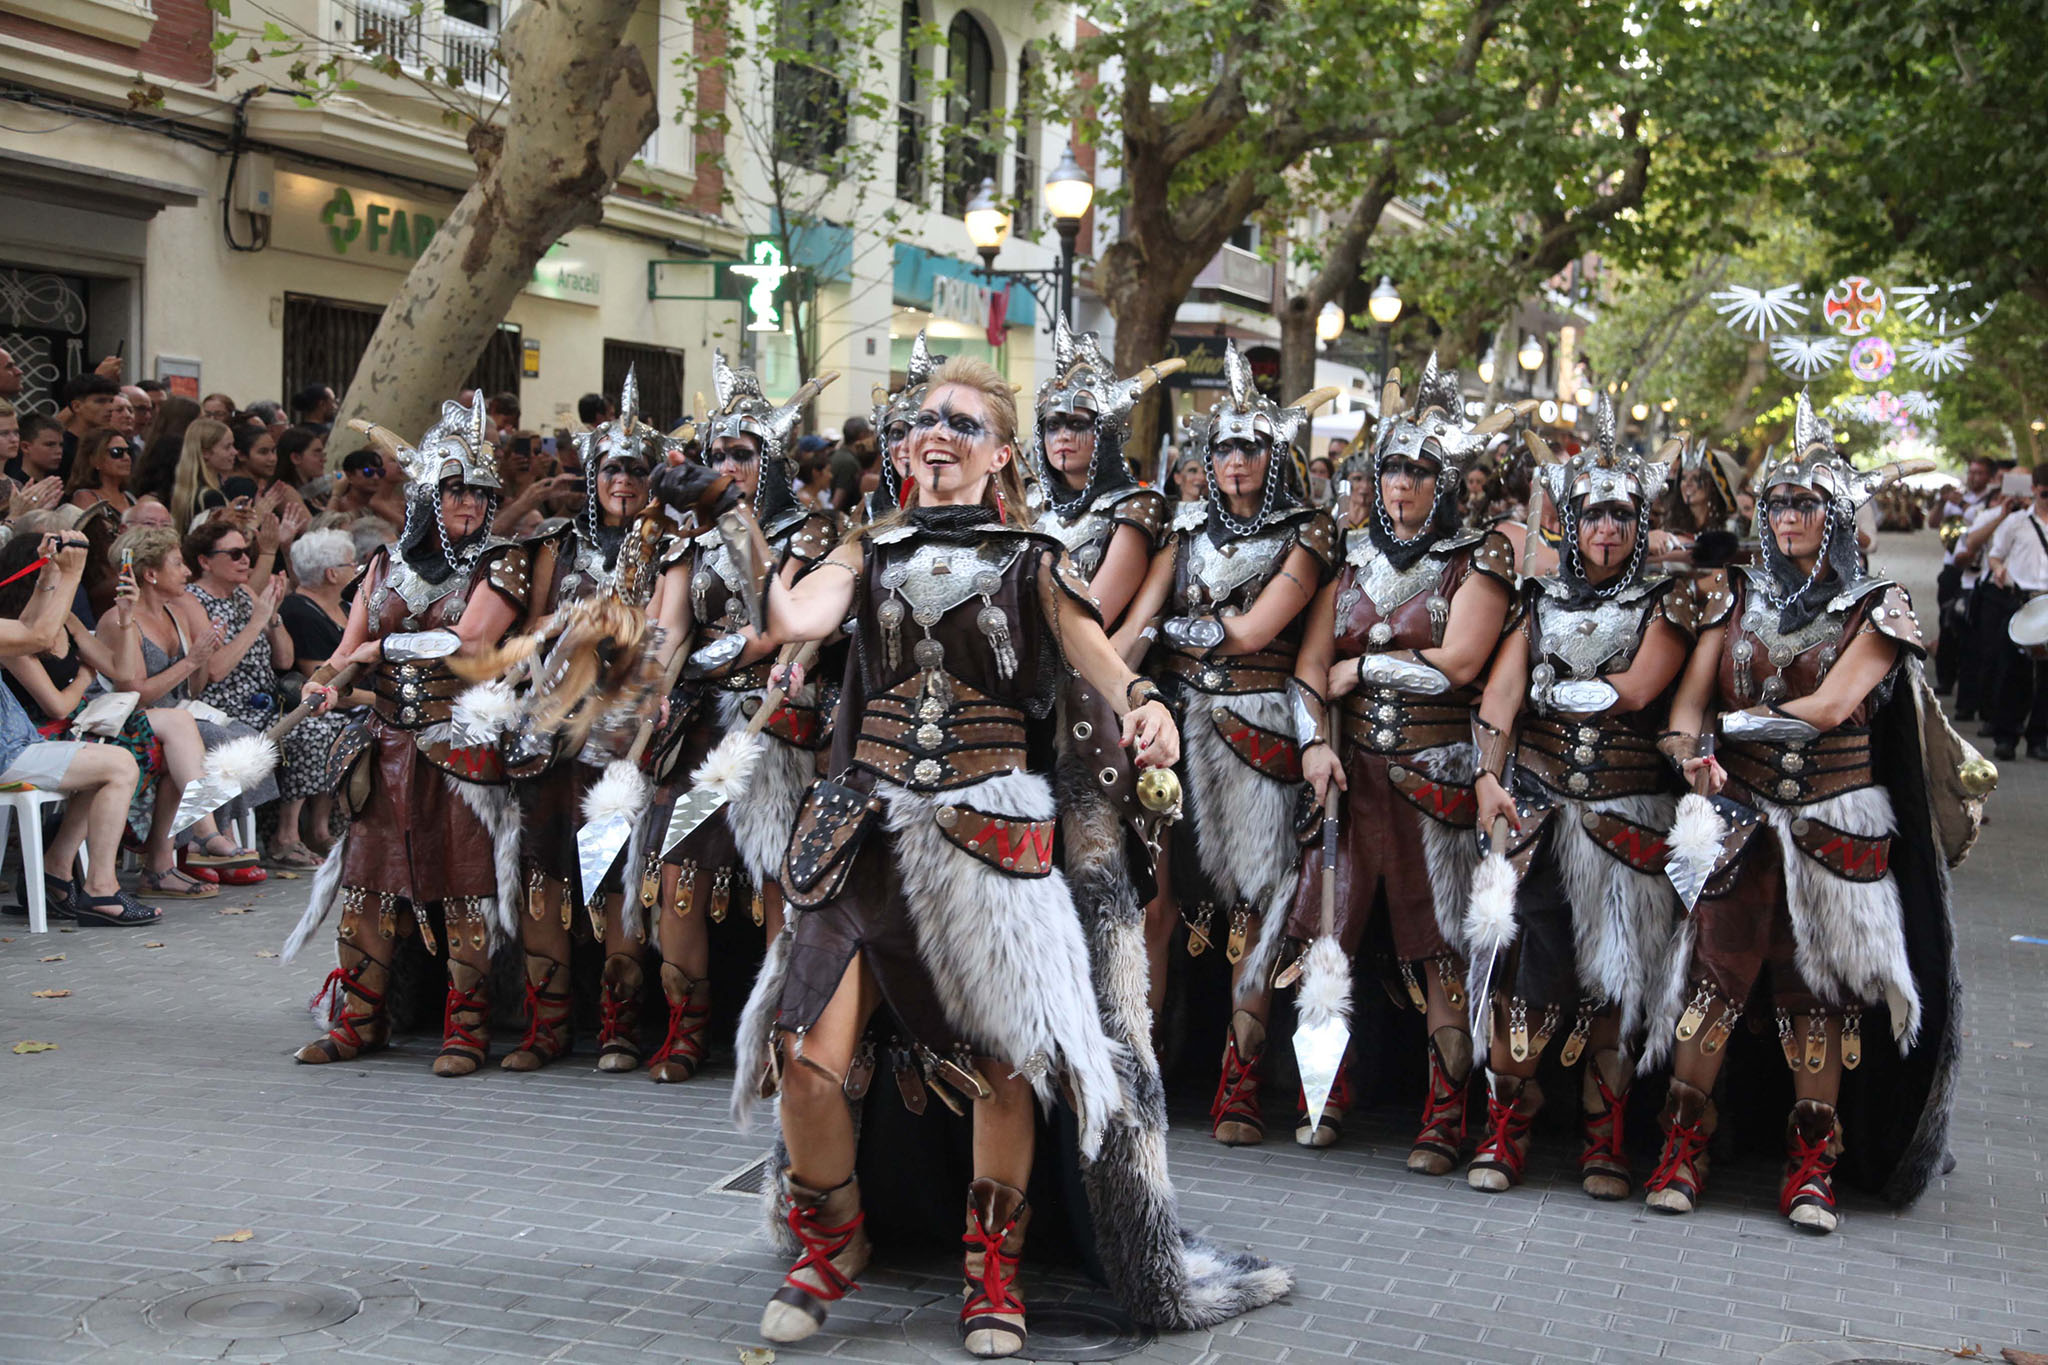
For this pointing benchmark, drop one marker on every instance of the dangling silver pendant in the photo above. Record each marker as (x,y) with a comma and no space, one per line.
(931,657)
(1745,678)
(996,625)
(1439,617)
(890,614)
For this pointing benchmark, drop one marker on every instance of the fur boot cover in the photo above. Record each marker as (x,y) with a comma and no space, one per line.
(761,808)
(497,810)
(326,886)
(1244,824)
(1451,853)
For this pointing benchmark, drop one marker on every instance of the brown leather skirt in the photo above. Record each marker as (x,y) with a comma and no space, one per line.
(415,837)
(1379,844)
(1745,935)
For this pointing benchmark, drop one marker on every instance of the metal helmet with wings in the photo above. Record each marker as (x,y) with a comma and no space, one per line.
(740,408)
(1432,430)
(1243,414)
(894,413)
(1084,382)
(458,446)
(1602,472)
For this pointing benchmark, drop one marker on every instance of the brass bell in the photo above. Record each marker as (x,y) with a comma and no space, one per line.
(1977,774)
(1159,791)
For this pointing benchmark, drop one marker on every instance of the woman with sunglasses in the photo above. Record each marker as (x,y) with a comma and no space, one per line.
(1573,945)
(734,859)
(940,942)
(101,470)
(1386,678)
(1827,901)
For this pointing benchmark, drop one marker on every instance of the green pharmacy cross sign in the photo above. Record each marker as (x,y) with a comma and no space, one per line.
(761,282)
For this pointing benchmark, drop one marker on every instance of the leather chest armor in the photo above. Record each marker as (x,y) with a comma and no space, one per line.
(1380,608)
(1598,756)
(950,641)
(1225,580)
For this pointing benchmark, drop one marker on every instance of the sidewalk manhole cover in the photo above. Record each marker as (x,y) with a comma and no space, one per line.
(750,1180)
(1084,1331)
(253,1310)
(199,1315)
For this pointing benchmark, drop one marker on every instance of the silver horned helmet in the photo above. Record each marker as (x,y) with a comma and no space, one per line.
(624,434)
(1084,383)
(1245,414)
(1433,429)
(1602,472)
(459,446)
(739,408)
(899,409)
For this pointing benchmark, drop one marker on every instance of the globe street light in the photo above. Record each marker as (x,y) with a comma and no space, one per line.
(1641,412)
(1068,194)
(1486,367)
(1384,305)
(988,226)
(1329,323)
(1530,358)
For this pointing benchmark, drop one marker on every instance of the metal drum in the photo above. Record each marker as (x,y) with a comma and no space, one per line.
(2029,628)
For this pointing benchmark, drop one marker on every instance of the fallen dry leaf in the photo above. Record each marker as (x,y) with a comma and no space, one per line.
(49,995)
(265,952)
(152,945)
(287,876)
(32,1045)
(756,1355)
(232,910)
(239,1235)
(54,957)
(2017,1043)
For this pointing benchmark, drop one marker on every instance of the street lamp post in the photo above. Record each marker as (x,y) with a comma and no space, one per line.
(1068,194)
(1385,305)
(1530,358)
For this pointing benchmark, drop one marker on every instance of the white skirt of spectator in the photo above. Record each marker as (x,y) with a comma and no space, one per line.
(42,765)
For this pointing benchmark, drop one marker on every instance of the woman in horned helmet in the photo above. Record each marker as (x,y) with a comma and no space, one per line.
(1572,944)
(1826,898)
(1235,582)
(894,413)
(939,944)
(434,822)
(1388,673)
(1700,504)
(706,581)
(1110,524)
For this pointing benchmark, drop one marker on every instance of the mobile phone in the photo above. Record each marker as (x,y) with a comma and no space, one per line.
(128,565)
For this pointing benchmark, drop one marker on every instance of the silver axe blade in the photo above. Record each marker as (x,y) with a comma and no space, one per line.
(699,804)
(1319,1048)
(207,795)
(1689,868)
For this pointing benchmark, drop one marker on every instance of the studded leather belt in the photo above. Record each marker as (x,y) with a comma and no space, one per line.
(1387,721)
(1801,772)
(922,743)
(1264,671)
(752,678)
(800,726)
(414,695)
(1590,760)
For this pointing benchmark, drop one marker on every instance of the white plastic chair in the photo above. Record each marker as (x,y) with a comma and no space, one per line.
(29,803)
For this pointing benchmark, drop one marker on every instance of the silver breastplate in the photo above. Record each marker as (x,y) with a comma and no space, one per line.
(714,563)
(1587,642)
(1389,587)
(1217,571)
(416,592)
(1086,536)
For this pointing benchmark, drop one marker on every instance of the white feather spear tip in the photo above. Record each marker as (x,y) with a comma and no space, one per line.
(1325,993)
(1490,919)
(622,793)
(484,712)
(244,761)
(727,769)
(1697,833)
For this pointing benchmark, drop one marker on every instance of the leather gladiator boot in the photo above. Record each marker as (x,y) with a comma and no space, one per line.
(618,1030)
(828,1225)
(1329,1129)
(689,1018)
(992,1318)
(1813,1143)
(1234,1115)
(547,1015)
(1688,1122)
(465,1020)
(1439,1145)
(1511,1105)
(1603,1095)
(354,992)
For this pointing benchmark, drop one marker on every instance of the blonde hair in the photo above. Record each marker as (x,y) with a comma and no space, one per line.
(149,545)
(194,473)
(1005,490)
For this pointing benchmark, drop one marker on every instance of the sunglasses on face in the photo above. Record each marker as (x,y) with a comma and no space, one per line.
(1804,509)
(374,471)
(952,423)
(240,553)
(1079,423)
(1415,471)
(116,452)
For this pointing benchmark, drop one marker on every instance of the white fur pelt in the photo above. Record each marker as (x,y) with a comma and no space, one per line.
(1621,918)
(1244,823)
(1850,936)
(1451,853)
(753,1041)
(497,810)
(1670,991)
(1325,993)
(763,811)
(326,886)
(1005,954)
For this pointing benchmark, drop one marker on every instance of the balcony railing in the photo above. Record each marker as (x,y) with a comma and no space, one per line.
(1236,271)
(430,38)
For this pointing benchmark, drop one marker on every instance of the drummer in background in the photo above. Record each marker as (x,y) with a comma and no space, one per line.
(1966,504)
(2017,560)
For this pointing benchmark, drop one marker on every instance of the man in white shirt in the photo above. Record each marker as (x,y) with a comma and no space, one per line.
(1952,589)
(2017,560)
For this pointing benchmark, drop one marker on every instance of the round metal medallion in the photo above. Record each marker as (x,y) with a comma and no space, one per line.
(928,770)
(1397,773)
(1787,789)
(947,816)
(930,736)
(1801,826)
(1578,782)
(1792,762)
(1582,754)
(1381,633)
(1590,819)
(931,708)
(1388,712)
(1212,678)
(1588,735)
(1384,738)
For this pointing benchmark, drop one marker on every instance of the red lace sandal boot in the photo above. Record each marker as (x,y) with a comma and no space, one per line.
(465,1021)
(1511,1105)
(1441,1142)
(689,1018)
(618,1029)
(1688,1122)
(354,996)
(827,1224)
(992,1318)
(1235,1119)
(1603,1095)
(1813,1143)
(1328,1130)
(547,1015)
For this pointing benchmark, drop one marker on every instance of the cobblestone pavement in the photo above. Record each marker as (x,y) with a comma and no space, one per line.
(571,1217)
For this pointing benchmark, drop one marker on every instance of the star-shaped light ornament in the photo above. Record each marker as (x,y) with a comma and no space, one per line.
(1761,311)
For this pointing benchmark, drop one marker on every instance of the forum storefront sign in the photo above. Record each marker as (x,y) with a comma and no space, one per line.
(337,221)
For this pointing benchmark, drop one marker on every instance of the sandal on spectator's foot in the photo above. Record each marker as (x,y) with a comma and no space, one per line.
(118,911)
(293,855)
(175,884)
(56,900)
(201,853)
